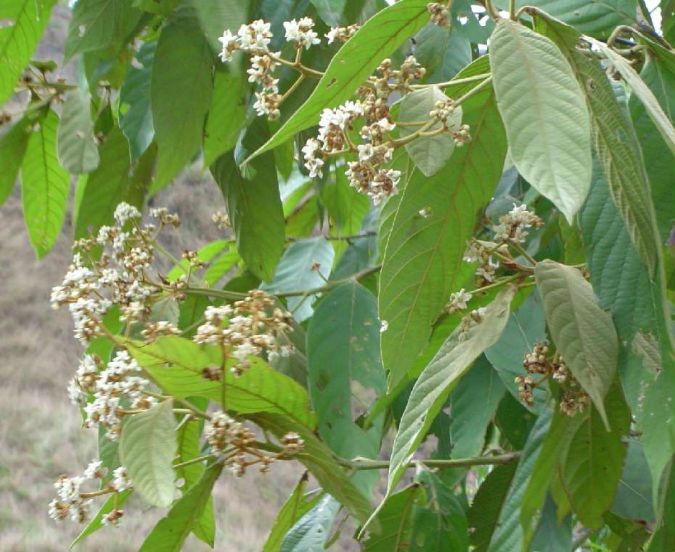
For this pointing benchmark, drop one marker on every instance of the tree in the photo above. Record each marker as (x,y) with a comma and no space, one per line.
(473,245)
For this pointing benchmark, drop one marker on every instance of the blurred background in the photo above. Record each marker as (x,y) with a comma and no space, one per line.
(41,434)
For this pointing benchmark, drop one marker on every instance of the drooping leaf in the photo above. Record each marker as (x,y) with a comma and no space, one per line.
(75,140)
(176,364)
(344,369)
(472,406)
(136,118)
(544,114)
(296,506)
(594,461)
(306,265)
(313,529)
(583,333)
(180,93)
(100,24)
(147,449)
(226,115)
(24,21)
(431,389)
(106,187)
(633,499)
(254,206)
(664,535)
(353,64)
(171,531)
(12,149)
(508,534)
(431,153)
(423,254)
(395,521)
(44,186)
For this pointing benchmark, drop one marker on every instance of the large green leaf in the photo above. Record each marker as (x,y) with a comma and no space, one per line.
(106,187)
(24,21)
(642,91)
(395,521)
(545,115)
(660,78)
(136,118)
(171,531)
(431,389)
(180,93)
(12,149)
(313,529)
(226,115)
(147,449)
(343,353)
(353,64)
(633,499)
(615,145)
(100,24)
(472,406)
(44,186)
(423,254)
(508,534)
(176,364)
(216,15)
(429,154)
(296,506)
(594,463)
(254,206)
(76,145)
(583,333)
(306,264)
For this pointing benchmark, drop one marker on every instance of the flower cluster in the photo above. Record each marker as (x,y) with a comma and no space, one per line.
(236,445)
(458,301)
(439,13)
(513,225)
(482,252)
(74,502)
(539,362)
(250,327)
(471,320)
(341,34)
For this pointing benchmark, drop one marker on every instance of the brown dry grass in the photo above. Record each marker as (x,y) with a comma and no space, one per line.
(40,432)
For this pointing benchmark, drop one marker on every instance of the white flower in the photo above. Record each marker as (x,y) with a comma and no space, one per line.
(459,299)
(95,470)
(384,326)
(313,162)
(125,212)
(121,481)
(255,36)
(301,32)
(230,44)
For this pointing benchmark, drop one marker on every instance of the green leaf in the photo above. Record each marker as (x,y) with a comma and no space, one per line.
(484,512)
(594,17)
(423,255)
(171,531)
(306,264)
(343,351)
(508,534)
(353,64)
(431,389)
(312,530)
(147,449)
(472,406)
(395,521)
(254,206)
(633,499)
(44,186)
(75,140)
(97,522)
(616,146)
(226,115)
(24,21)
(136,118)
(664,535)
(296,506)
(100,24)
(660,78)
(642,91)
(592,470)
(545,115)
(180,93)
(217,15)
(330,11)
(12,150)
(106,187)
(583,333)
(176,365)
(429,154)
